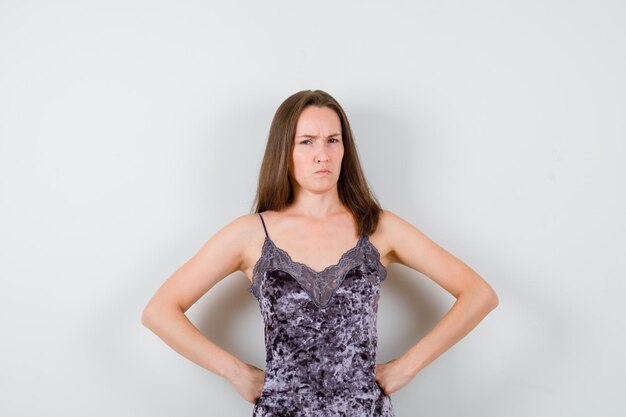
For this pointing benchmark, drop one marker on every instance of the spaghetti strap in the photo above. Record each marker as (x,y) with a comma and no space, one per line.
(264,228)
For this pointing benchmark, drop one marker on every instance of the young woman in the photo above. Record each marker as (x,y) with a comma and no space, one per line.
(316,250)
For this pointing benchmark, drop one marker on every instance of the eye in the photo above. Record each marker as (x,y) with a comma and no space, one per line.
(306,140)
(335,139)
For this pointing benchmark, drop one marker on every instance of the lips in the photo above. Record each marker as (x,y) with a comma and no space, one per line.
(322,171)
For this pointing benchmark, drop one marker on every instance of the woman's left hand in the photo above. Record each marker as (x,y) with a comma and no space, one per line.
(392,375)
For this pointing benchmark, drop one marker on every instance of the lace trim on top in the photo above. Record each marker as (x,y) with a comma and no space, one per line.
(319,285)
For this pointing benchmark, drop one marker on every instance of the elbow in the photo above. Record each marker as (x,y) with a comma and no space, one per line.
(156,313)
(147,316)
(492,299)
(486,296)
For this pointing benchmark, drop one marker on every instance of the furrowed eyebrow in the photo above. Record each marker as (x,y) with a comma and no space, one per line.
(313,137)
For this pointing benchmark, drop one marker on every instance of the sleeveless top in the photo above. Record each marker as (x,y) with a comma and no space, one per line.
(320,334)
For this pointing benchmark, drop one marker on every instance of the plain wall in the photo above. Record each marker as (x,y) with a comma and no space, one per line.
(131,131)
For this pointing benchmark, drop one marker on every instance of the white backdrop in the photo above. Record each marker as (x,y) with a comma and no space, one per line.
(131,131)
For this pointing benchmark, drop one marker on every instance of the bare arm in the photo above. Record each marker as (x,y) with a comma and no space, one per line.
(165,315)
(475,298)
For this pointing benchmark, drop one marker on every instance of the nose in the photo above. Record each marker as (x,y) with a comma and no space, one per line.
(321,155)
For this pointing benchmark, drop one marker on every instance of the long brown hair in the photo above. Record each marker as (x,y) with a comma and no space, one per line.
(274,191)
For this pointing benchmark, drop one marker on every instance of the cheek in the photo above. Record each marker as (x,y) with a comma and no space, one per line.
(294,167)
(339,154)
(297,159)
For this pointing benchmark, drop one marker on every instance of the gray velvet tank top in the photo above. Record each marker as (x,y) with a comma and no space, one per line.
(320,334)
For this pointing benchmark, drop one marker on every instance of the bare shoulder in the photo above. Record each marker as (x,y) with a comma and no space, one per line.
(233,245)
(250,240)
(401,242)
(227,246)
(389,224)
(237,232)
(408,245)
(224,253)
(245,233)
(393,233)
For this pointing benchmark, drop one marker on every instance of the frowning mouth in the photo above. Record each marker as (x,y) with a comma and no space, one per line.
(322,171)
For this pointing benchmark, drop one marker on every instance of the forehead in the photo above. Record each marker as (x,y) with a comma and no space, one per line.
(318,120)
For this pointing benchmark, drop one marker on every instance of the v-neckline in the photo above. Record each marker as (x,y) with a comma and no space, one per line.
(356,246)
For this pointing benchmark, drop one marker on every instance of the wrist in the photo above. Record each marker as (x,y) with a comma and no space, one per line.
(233,369)
(410,365)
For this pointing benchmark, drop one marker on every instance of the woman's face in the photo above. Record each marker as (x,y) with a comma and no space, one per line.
(318,144)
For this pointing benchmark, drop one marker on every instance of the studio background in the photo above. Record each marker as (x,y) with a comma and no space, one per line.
(131,131)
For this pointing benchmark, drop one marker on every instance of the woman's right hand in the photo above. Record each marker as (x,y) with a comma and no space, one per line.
(248,380)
